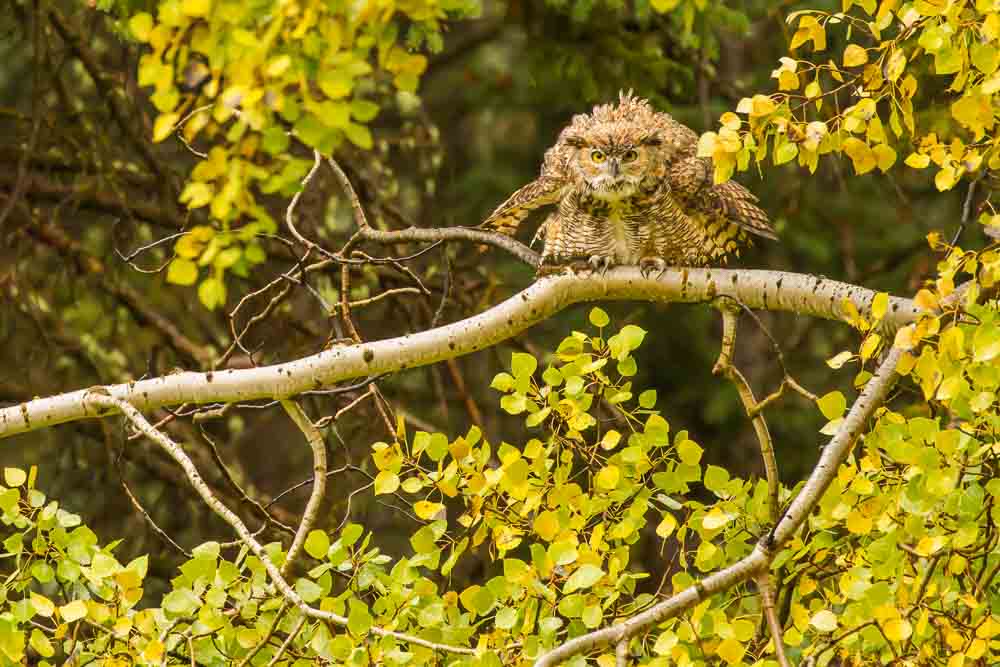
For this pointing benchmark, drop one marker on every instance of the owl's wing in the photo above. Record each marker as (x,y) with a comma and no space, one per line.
(508,216)
(691,180)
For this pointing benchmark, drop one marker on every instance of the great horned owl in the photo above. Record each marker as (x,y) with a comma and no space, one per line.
(631,189)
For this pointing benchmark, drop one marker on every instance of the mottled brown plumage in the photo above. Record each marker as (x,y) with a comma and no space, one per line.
(630,189)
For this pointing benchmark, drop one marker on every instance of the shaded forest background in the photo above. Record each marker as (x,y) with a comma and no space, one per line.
(83,302)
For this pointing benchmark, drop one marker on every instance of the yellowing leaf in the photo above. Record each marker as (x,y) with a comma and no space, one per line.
(824,621)
(838,360)
(832,405)
(731,651)
(386,482)
(880,304)
(547,525)
(195,8)
(855,55)
(43,606)
(897,629)
(667,526)
(928,545)
(14,476)
(715,518)
(608,477)
(73,611)
(140,25)
(427,510)
(917,160)
(164,126)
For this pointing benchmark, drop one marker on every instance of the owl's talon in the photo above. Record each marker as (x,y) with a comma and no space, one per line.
(599,263)
(647,265)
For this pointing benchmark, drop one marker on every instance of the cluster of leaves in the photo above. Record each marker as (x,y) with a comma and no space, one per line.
(249,77)
(900,561)
(563,510)
(860,102)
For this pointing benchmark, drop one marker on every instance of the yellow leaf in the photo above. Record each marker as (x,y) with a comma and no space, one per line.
(386,482)
(427,510)
(897,63)
(196,8)
(140,25)
(917,160)
(928,545)
(788,80)
(885,157)
(43,606)
(731,651)
(858,523)
(762,105)
(898,629)
(547,525)
(154,651)
(667,526)
(164,125)
(880,304)
(73,611)
(715,518)
(832,405)
(608,477)
(855,55)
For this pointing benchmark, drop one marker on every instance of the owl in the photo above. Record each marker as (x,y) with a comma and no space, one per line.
(629,188)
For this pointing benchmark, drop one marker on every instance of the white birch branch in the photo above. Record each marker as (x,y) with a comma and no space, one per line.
(765,290)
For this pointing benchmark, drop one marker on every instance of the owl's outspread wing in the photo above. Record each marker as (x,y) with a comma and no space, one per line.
(631,188)
(508,216)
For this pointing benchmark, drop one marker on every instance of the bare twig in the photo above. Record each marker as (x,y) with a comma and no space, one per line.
(766,589)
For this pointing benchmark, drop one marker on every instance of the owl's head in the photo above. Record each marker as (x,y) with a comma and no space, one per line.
(613,149)
(613,169)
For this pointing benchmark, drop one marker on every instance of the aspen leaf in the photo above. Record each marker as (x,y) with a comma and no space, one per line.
(386,482)
(824,621)
(832,405)
(164,125)
(897,629)
(666,526)
(855,55)
(731,651)
(584,577)
(427,510)
(73,611)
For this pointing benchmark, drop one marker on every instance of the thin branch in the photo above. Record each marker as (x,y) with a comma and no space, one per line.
(175,452)
(429,235)
(766,589)
(771,290)
(724,366)
(318,447)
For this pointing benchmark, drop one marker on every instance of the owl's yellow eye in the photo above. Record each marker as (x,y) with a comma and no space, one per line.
(630,155)
(598,156)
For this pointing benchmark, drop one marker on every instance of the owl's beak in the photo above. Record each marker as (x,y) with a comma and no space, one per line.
(614,167)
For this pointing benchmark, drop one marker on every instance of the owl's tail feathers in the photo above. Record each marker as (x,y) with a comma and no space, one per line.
(740,206)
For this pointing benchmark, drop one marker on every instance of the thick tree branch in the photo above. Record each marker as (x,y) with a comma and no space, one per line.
(767,290)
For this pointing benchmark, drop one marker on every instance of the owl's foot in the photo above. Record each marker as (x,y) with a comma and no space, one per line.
(647,265)
(600,263)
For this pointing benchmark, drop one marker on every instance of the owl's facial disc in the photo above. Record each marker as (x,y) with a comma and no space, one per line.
(614,173)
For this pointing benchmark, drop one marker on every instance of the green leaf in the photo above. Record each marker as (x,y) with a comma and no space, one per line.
(502,382)
(363,110)
(584,577)
(689,452)
(523,365)
(317,544)
(647,399)
(308,590)
(212,293)
(181,602)
(359,135)
(359,621)
(599,318)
